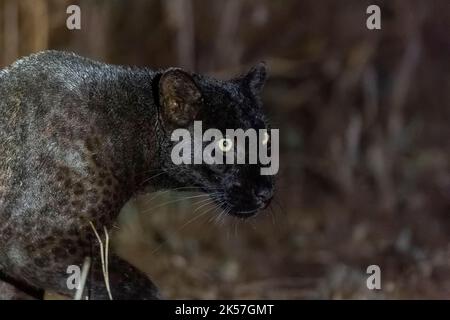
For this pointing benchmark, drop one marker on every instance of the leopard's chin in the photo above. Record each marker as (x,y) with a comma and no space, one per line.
(237,211)
(244,214)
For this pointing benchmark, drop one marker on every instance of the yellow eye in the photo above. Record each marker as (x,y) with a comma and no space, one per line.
(225,144)
(265,139)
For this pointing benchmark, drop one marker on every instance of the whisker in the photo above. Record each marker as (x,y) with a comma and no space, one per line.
(193,219)
(174,201)
(203,200)
(208,202)
(182,227)
(161,171)
(160,193)
(221,217)
(213,219)
(214,207)
(152,177)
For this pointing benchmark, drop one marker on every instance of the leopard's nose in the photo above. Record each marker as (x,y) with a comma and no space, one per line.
(236,187)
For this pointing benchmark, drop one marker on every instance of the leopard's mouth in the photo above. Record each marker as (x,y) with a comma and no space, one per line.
(237,203)
(234,209)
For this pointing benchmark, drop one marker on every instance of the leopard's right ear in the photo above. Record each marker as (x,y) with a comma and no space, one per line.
(179,96)
(256,78)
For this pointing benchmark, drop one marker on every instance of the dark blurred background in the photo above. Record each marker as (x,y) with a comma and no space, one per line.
(365,151)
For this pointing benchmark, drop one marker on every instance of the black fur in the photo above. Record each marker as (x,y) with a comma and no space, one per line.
(78,138)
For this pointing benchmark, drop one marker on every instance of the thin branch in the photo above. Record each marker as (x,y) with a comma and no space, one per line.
(102,257)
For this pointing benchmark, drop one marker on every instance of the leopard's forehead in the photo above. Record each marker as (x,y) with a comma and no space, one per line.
(230,104)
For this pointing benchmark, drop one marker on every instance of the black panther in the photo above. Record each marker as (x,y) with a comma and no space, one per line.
(79,138)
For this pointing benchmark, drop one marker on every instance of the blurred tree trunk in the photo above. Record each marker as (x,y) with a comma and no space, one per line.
(93,38)
(181,17)
(228,47)
(10,31)
(35,25)
(95,26)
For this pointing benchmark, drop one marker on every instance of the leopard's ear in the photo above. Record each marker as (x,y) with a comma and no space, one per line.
(256,78)
(179,96)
